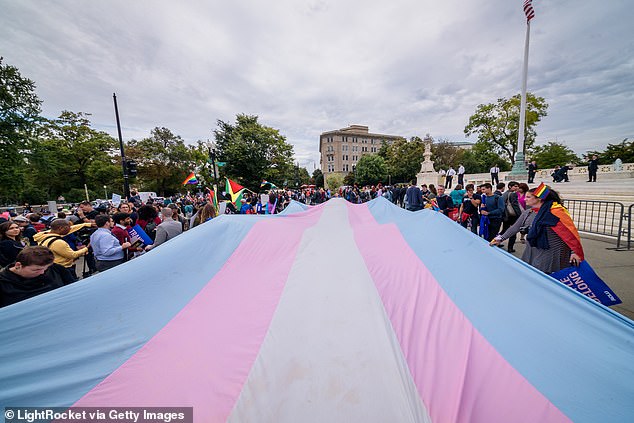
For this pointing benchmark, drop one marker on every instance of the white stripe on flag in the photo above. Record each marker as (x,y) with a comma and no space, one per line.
(528,10)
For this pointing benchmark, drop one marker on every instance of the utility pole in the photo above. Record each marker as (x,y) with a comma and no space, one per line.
(126,182)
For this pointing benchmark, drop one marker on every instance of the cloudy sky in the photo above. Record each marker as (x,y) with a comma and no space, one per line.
(404,67)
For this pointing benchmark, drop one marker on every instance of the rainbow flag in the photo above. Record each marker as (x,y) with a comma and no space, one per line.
(389,333)
(191,179)
(542,191)
(566,229)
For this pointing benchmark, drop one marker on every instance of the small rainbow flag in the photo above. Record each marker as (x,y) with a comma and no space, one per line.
(191,179)
(542,191)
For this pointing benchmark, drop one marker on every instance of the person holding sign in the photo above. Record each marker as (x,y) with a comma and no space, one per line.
(553,242)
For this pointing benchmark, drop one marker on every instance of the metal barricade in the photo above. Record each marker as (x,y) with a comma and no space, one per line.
(599,217)
(628,245)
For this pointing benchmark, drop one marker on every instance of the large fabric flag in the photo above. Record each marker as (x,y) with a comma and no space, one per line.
(191,179)
(237,319)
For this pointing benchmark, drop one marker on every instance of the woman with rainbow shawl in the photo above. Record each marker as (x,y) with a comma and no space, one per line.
(553,240)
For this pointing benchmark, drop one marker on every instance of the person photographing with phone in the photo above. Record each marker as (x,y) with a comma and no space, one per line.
(553,242)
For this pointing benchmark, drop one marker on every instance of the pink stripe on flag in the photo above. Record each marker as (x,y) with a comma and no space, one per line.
(203,356)
(459,375)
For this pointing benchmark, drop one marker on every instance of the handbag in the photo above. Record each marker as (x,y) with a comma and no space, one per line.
(510,211)
(464,217)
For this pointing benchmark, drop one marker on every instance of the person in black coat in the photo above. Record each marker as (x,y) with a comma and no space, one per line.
(532,170)
(33,273)
(593,167)
(10,242)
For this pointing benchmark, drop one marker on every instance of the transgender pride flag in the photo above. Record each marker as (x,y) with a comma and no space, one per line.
(336,313)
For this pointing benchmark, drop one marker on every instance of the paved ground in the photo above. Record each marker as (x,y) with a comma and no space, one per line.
(616,268)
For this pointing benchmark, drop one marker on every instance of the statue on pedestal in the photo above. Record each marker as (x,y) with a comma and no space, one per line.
(427,174)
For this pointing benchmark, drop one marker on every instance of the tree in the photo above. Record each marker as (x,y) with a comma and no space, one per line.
(302,178)
(318,178)
(253,152)
(75,153)
(349,179)
(446,154)
(371,169)
(623,150)
(19,119)
(553,154)
(497,123)
(480,159)
(334,181)
(403,158)
(164,161)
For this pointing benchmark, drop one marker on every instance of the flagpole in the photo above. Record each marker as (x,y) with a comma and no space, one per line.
(519,167)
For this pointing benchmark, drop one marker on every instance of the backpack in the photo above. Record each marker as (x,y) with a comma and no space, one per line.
(50,240)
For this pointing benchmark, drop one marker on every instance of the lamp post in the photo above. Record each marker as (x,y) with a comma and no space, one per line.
(105,191)
(126,182)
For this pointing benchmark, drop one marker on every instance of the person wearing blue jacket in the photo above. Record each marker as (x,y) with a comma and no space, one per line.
(491,212)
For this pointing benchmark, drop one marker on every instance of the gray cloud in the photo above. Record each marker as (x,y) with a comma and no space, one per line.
(405,67)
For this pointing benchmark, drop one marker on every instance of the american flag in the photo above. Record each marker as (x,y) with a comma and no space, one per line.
(528,10)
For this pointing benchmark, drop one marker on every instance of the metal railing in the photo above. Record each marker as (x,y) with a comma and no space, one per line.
(629,226)
(603,218)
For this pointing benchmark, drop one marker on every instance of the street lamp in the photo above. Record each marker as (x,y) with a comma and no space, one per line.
(105,190)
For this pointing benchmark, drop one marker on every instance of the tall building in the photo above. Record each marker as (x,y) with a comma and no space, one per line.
(341,149)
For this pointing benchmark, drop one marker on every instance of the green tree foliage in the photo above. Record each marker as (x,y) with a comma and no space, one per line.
(19,118)
(304,177)
(480,159)
(403,158)
(349,179)
(318,178)
(253,152)
(163,161)
(371,169)
(445,154)
(68,154)
(623,150)
(497,123)
(334,181)
(553,154)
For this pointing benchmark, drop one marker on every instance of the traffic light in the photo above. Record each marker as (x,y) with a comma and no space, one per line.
(131,168)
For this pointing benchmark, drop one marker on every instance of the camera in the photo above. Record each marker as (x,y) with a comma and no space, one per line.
(83,235)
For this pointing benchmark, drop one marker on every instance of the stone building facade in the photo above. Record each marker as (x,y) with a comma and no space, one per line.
(341,149)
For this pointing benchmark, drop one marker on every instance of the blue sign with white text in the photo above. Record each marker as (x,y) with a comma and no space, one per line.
(584,280)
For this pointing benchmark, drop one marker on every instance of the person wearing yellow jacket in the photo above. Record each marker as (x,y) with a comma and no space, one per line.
(54,240)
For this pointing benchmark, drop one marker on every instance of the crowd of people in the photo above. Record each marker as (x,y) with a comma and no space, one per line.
(496,213)
(39,251)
